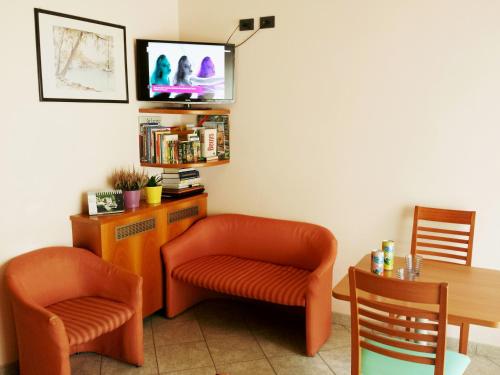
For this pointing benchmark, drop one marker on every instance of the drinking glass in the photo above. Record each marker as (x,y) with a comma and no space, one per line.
(414,263)
(405,274)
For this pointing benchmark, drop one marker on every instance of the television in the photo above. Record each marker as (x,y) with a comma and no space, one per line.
(184,72)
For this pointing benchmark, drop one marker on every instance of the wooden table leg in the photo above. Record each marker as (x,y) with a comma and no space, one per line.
(464,338)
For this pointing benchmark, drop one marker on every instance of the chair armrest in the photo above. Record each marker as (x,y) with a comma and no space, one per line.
(107,280)
(35,325)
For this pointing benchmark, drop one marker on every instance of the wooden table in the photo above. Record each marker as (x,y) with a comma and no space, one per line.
(473,293)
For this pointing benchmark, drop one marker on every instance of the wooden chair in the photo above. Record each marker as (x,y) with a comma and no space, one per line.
(445,244)
(383,344)
(434,241)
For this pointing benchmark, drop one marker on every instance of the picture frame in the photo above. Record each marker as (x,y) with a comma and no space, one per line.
(79,59)
(105,202)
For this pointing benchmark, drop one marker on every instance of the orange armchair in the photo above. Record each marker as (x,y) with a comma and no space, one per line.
(277,261)
(67,300)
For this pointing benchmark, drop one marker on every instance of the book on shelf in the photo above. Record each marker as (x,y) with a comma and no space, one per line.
(181,175)
(105,202)
(180,185)
(186,181)
(221,123)
(208,139)
(178,193)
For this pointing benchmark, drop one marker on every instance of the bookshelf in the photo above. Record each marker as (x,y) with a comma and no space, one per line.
(186,111)
(182,111)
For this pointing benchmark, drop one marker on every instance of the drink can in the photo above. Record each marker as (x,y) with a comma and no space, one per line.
(388,248)
(378,262)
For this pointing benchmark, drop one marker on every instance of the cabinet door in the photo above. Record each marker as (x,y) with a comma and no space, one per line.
(181,215)
(134,244)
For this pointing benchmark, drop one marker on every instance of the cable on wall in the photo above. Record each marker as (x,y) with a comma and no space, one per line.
(255,32)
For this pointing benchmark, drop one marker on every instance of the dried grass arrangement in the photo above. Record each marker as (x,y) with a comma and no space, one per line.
(128,180)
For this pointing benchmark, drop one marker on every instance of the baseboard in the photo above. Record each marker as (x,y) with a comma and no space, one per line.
(452,343)
(10,369)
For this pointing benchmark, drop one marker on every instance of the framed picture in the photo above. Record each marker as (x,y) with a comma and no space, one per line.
(80,60)
(105,202)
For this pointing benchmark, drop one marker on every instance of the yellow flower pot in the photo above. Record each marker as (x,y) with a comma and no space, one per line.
(153,194)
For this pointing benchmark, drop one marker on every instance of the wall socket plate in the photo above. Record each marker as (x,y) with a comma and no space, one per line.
(267,22)
(246,24)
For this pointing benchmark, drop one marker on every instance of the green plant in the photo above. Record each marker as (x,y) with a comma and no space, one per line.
(128,180)
(154,181)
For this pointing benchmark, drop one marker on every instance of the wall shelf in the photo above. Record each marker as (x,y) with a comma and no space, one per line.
(182,111)
(187,165)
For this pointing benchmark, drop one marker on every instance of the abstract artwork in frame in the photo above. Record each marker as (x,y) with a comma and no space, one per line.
(80,60)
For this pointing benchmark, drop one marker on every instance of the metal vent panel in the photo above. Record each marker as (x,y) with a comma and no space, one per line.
(125,231)
(183,214)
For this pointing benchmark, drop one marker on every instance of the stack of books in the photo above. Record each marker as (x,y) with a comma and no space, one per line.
(181,182)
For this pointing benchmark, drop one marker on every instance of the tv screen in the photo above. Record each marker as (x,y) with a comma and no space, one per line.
(184,71)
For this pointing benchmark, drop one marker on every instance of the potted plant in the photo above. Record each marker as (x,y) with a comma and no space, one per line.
(131,182)
(153,190)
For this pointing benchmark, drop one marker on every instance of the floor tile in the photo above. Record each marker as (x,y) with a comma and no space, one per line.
(148,333)
(85,364)
(488,351)
(338,359)
(295,365)
(220,327)
(169,332)
(482,366)
(280,342)
(112,366)
(183,356)
(232,349)
(195,371)
(339,337)
(258,367)
(219,308)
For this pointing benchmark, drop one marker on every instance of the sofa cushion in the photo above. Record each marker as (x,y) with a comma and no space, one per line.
(248,278)
(89,317)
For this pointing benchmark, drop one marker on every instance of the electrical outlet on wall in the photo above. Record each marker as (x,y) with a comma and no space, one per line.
(246,24)
(267,22)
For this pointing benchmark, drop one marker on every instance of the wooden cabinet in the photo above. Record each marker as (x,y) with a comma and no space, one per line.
(132,240)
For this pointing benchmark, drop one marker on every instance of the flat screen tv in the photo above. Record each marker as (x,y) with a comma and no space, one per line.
(184,72)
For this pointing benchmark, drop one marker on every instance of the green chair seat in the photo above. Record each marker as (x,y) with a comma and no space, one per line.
(377,364)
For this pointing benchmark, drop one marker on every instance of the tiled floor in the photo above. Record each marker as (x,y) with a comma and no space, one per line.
(238,338)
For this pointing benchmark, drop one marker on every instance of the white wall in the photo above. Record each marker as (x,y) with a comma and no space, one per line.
(51,153)
(349,113)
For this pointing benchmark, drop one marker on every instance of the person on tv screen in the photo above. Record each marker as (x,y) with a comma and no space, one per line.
(206,78)
(160,76)
(183,76)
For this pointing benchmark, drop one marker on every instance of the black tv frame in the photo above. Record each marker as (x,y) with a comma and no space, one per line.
(142,72)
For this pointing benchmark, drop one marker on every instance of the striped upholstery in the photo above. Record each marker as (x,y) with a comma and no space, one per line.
(269,282)
(89,317)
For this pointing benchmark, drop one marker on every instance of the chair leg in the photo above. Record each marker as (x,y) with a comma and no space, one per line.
(464,338)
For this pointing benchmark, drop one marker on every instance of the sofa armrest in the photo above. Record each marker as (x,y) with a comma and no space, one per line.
(192,244)
(324,270)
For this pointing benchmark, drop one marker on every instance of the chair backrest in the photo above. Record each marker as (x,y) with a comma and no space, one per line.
(53,274)
(449,241)
(389,325)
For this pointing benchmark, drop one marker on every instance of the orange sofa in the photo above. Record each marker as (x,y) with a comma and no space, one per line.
(278,261)
(67,300)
